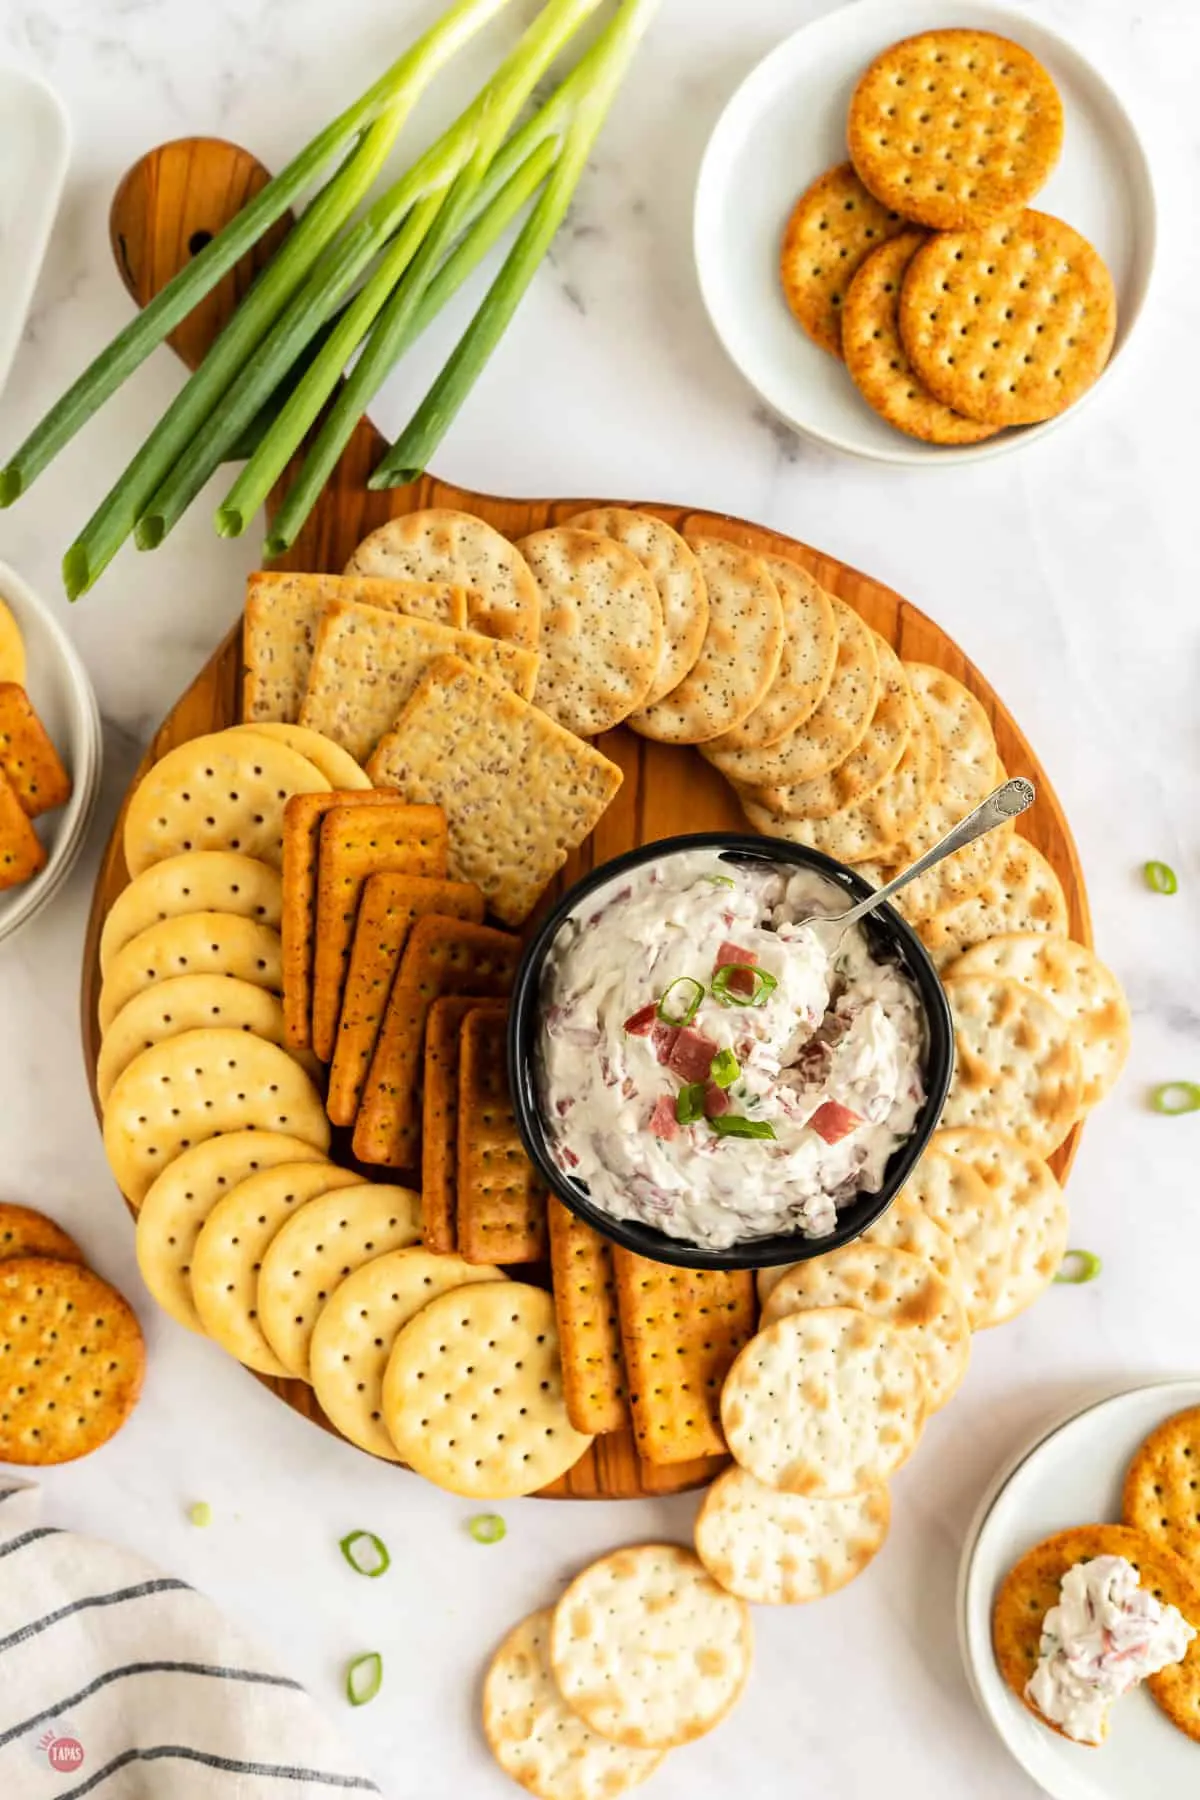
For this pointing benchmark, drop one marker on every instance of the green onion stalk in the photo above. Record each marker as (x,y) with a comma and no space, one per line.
(393,94)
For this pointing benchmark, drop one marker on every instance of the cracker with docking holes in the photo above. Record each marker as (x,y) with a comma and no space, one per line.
(1023,893)
(519,792)
(439,1118)
(904,1226)
(810,635)
(776,1549)
(25,1232)
(185,1003)
(358,1326)
(1012,1248)
(317,1248)
(442,956)
(202,943)
(196,1086)
(1009,324)
(28,759)
(825,1403)
(337,765)
(536,1738)
(675,570)
(173,1213)
(199,881)
(589,1324)
(1161,1485)
(648,1648)
(357,842)
(833,227)
(1017,1067)
(22,853)
(225,791)
(54,1405)
(440,544)
(694,1322)
(501,1198)
(390,906)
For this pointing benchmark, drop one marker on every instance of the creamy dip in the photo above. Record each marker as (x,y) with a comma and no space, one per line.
(1105,1635)
(710,1067)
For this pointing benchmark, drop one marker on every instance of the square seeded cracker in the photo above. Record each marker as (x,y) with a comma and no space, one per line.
(519,792)
(501,1196)
(283,611)
(28,759)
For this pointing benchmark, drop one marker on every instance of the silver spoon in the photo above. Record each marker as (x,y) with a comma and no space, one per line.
(1014,798)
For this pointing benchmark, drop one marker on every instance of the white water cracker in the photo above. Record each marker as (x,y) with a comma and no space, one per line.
(1027,1249)
(536,1738)
(776,1549)
(949,1193)
(181,1199)
(1022,893)
(1017,1068)
(185,1003)
(904,1226)
(316,1250)
(357,1327)
(648,1648)
(199,881)
(825,1403)
(195,944)
(337,765)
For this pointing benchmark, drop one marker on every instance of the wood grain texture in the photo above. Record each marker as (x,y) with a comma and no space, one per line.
(195,186)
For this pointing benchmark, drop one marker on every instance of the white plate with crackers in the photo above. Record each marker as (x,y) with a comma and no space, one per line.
(36,654)
(787,124)
(1072,1474)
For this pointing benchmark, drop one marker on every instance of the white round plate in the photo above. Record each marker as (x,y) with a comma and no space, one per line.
(59,688)
(1071,1475)
(787,124)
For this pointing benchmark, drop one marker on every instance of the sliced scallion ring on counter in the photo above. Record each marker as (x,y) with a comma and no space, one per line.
(725,1068)
(201,1513)
(1077,1267)
(682,1009)
(364,1678)
(689,1103)
(1175,1097)
(487,1528)
(1161,877)
(763,985)
(366,1553)
(733,1125)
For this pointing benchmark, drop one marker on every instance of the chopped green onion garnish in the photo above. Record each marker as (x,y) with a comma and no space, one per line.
(364,1678)
(683,1009)
(487,1528)
(1176,1097)
(721,880)
(763,987)
(733,1125)
(725,1068)
(366,1553)
(1084,1265)
(1161,877)
(201,1513)
(689,1103)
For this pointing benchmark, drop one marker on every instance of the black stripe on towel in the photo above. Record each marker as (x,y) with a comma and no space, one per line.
(182,1753)
(164,1585)
(27,1537)
(211,1670)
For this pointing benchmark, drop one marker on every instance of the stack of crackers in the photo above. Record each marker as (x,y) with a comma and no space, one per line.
(957,309)
(33,780)
(71,1349)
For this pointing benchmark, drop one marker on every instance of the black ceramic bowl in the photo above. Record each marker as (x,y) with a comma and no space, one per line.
(890,938)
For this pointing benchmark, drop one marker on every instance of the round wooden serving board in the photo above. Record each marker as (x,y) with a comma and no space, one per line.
(168,205)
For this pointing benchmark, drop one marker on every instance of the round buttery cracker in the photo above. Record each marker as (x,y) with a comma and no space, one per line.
(1077,983)
(825,1403)
(1011,323)
(535,1737)
(174,1211)
(195,1087)
(675,570)
(226,791)
(955,127)
(25,1232)
(317,1248)
(1017,1067)
(897,1287)
(473,1394)
(440,544)
(1022,893)
(810,637)
(877,360)
(777,1549)
(601,631)
(229,1251)
(1162,1486)
(71,1360)
(337,765)
(833,226)
(1012,1246)
(738,660)
(358,1326)
(648,1648)
(199,881)
(185,1003)
(204,943)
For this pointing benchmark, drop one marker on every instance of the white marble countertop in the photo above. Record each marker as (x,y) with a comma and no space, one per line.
(1068,572)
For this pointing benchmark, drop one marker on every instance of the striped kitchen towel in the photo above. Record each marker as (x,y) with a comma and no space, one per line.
(118,1681)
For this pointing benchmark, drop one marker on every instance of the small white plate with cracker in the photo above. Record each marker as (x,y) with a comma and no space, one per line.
(1071,1474)
(786,125)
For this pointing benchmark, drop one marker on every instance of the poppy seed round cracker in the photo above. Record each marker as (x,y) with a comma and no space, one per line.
(676,572)
(833,226)
(440,544)
(805,667)
(1162,1486)
(601,632)
(970,770)
(25,1232)
(199,881)
(777,1549)
(194,944)
(1017,1067)
(1023,893)
(1011,1246)
(184,1003)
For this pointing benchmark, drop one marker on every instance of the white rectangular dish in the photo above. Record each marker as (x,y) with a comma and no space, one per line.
(34,150)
